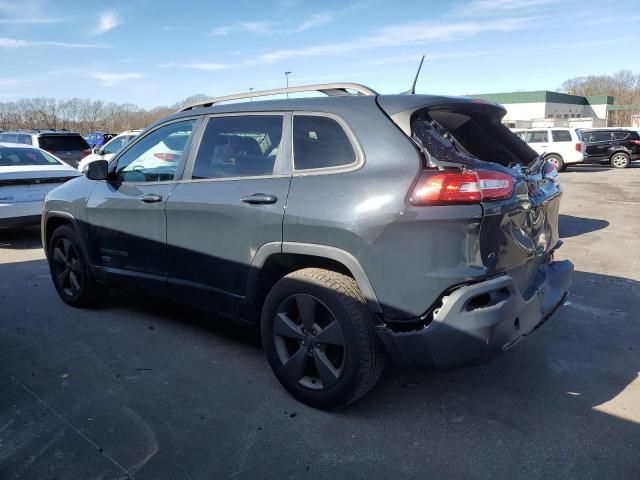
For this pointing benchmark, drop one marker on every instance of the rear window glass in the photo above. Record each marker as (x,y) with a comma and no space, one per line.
(12,157)
(320,142)
(56,143)
(451,135)
(561,135)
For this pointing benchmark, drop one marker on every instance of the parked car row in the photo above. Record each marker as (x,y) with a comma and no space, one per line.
(27,174)
(564,146)
(33,162)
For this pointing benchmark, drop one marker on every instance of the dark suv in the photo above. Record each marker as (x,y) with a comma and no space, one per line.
(68,146)
(615,146)
(351,228)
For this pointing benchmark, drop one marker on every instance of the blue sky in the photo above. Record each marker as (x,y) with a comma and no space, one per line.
(155,52)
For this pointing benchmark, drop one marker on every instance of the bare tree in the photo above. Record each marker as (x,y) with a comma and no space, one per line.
(624,86)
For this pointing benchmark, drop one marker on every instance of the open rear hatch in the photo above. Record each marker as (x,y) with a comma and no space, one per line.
(519,228)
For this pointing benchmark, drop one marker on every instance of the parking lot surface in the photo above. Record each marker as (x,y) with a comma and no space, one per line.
(143,388)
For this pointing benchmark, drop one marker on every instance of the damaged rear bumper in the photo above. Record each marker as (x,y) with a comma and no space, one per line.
(477,322)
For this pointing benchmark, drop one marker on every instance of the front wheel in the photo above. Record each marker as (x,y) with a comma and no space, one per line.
(69,269)
(319,338)
(620,160)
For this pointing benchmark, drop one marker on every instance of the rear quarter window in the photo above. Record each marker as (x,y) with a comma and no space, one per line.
(320,142)
(621,135)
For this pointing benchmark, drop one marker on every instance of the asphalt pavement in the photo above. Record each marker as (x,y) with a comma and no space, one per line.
(148,389)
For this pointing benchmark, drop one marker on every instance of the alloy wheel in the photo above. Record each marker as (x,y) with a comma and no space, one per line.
(619,161)
(309,341)
(67,267)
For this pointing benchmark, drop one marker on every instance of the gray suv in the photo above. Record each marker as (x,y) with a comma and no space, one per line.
(353,229)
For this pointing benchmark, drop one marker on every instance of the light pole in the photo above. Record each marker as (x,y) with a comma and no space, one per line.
(286,75)
(251,91)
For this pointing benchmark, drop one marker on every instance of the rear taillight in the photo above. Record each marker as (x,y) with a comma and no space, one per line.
(449,187)
(167,157)
(86,151)
(578,147)
(635,142)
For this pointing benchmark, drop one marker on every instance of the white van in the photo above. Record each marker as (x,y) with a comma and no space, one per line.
(561,146)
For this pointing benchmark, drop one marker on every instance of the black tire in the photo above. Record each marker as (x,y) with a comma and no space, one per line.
(620,160)
(338,304)
(557,160)
(70,270)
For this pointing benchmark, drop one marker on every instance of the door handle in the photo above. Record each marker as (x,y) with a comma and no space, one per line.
(260,199)
(151,198)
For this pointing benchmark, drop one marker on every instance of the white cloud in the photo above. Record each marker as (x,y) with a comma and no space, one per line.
(270,27)
(492,6)
(26,12)
(31,21)
(105,78)
(417,33)
(18,43)
(260,28)
(107,21)
(109,79)
(316,20)
(209,67)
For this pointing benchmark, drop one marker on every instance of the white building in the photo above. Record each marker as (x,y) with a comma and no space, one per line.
(551,109)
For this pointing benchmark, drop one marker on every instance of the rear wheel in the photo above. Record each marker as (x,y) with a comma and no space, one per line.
(319,338)
(620,160)
(557,161)
(70,272)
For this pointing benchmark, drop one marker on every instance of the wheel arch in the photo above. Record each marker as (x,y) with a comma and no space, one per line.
(274,260)
(53,220)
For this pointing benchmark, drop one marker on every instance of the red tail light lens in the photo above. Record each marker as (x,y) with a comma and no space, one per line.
(635,142)
(450,187)
(167,157)
(578,147)
(86,151)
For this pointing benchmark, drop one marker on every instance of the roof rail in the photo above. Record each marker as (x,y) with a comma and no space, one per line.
(329,89)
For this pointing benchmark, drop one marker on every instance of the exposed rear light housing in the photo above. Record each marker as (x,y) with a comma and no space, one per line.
(454,186)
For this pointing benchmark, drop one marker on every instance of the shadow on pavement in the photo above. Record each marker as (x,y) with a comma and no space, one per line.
(571,226)
(185,392)
(20,238)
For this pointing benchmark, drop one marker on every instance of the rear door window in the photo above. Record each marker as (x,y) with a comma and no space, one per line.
(561,135)
(9,138)
(239,146)
(601,136)
(320,142)
(57,143)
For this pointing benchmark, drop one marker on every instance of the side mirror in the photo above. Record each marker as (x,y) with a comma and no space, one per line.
(95,150)
(97,170)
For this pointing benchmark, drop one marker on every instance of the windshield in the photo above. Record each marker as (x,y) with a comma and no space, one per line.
(12,157)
